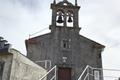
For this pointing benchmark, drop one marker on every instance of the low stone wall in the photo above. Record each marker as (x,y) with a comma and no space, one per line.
(15,66)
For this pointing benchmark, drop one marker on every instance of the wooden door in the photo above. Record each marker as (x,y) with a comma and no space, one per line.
(64,73)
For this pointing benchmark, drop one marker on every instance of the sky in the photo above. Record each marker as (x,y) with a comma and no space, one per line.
(99,20)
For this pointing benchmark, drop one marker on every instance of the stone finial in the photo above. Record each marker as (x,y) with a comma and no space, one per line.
(76,2)
(54,1)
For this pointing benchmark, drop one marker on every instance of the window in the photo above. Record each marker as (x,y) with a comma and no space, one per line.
(66,43)
(96,75)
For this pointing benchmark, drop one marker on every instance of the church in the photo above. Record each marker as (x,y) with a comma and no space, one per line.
(62,54)
(64,46)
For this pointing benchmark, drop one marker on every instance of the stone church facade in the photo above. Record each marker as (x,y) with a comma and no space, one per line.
(64,46)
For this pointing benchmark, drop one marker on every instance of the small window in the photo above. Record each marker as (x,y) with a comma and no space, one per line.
(99,55)
(96,75)
(66,44)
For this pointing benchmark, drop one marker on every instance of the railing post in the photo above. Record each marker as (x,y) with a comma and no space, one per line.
(55,72)
(45,64)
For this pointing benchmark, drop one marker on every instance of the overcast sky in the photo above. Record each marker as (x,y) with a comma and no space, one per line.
(99,19)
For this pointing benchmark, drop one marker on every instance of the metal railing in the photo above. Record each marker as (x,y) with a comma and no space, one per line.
(91,73)
(83,72)
(54,69)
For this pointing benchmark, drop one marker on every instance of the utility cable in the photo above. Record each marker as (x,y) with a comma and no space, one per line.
(38,32)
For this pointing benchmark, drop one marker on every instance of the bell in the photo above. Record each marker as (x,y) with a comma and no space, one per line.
(69,19)
(60,19)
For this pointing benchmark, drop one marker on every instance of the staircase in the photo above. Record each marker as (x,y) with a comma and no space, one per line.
(89,73)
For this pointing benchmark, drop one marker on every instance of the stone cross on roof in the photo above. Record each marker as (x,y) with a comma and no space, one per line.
(76,2)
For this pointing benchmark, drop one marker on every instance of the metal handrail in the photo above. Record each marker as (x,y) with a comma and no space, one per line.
(49,72)
(87,72)
(86,69)
(86,76)
(52,77)
(83,72)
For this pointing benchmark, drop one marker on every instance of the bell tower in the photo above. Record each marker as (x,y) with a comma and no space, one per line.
(65,14)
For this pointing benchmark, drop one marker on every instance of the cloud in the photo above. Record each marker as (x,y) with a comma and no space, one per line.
(28,4)
(18,20)
(102,18)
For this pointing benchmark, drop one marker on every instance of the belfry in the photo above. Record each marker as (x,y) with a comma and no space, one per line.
(65,14)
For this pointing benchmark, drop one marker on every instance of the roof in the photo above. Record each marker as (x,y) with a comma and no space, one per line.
(96,44)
